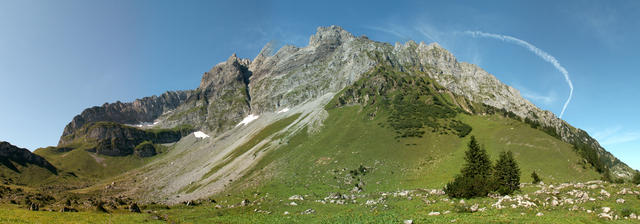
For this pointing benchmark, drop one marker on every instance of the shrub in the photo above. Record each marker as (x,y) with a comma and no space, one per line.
(468,187)
(636,178)
(626,212)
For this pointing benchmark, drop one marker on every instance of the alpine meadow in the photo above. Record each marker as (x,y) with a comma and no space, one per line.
(343,129)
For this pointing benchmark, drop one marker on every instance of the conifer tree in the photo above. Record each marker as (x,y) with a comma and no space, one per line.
(506,174)
(535,177)
(478,163)
(475,178)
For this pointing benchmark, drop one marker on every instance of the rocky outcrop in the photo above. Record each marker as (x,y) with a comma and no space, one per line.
(10,154)
(333,60)
(145,149)
(142,110)
(113,139)
(221,100)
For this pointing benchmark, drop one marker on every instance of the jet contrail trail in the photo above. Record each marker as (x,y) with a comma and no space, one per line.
(540,53)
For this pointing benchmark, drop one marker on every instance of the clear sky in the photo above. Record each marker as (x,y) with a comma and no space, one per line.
(60,57)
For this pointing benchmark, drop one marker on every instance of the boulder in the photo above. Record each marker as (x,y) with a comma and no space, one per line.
(134,208)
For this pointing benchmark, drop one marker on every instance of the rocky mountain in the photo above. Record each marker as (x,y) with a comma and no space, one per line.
(11,155)
(253,108)
(143,110)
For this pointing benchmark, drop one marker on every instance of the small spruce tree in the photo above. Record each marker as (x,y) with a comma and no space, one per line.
(506,175)
(535,177)
(475,178)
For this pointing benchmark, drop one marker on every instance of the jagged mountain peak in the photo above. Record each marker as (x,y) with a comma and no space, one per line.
(334,59)
(232,69)
(330,35)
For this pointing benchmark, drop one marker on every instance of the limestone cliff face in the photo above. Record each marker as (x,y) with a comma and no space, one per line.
(332,60)
(221,100)
(114,139)
(142,110)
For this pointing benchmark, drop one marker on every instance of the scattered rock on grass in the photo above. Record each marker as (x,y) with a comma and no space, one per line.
(296,197)
(605,216)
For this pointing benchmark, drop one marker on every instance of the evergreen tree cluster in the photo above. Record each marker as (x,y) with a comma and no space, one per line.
(478,177)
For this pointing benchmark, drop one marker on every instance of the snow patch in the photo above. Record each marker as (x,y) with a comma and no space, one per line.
(145,124)
(248,119)
(200,134)
(283,110)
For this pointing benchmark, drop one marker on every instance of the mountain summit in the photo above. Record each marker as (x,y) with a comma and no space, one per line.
(257,112)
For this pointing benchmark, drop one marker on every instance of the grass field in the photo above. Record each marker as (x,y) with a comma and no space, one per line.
(389,207)
(355,170)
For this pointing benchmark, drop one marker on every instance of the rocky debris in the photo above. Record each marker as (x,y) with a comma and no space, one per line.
(408,221)
(434,213)
(245,202)
(296,197)
(308,211)
(371,202)
(286,213)
(620,201)
(605,216)
(261,211)
(605,193)
(436,192)
(539,214)
(515,201)
(474,208)
(606,209)
(34,207)
(633,216)
(293,203)
(10,155)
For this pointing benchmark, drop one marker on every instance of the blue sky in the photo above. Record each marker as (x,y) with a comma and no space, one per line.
(59,57)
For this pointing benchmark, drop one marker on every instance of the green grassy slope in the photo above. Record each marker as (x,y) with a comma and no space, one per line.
(31,175)
(90,166)
(321,162)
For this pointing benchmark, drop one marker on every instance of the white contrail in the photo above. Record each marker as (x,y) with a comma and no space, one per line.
(544,55)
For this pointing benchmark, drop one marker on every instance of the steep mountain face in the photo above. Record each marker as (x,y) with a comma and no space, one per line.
(10,155)
(139,111)
(416,89)
(333,59)
(219,103)
(114,139)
